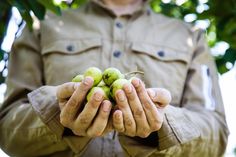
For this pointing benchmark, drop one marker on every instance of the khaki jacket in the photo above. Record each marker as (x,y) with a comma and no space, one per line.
(172,54)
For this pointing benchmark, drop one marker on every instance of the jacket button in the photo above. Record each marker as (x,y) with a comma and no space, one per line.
(70,48)
(118,24)
(161,53)
(117,54)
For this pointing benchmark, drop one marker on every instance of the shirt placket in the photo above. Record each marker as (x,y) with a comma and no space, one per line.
(118,38)
(116,53)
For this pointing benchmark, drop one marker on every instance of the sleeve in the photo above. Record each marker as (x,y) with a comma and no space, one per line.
(196,128)
(29,115)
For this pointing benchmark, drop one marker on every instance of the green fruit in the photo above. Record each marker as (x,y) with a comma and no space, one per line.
(104,89)
(78,78)
(110,75)
(101,83)
(118,84)
(95,73)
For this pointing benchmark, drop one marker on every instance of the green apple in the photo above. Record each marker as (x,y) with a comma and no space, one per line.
(78,78)
(104,89)
(95,73)
(101,83)
(116,85)
(111,74)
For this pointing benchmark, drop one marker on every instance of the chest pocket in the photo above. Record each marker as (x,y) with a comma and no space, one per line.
(162,66)
(63,59)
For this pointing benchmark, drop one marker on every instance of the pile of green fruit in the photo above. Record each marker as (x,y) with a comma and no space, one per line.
(108,81)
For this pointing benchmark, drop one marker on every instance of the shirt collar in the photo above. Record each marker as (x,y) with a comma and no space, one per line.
(143,9)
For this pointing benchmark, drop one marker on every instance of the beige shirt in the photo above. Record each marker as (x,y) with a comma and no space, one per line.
(172,54)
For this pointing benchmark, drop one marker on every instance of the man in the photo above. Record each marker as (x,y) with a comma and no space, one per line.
(125,34)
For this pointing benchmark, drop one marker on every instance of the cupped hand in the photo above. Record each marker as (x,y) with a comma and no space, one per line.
(84,119)
(140,110)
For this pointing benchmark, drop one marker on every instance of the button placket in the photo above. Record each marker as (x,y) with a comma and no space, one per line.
(118,36)
(117,54)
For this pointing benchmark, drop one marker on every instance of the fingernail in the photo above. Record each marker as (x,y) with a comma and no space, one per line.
(87,80)
(121,95)
(98,96)
(151,93)
(118,116)
(128,88)
(106,107)
(135,82)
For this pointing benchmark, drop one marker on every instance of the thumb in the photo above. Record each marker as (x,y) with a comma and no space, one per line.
(159,95)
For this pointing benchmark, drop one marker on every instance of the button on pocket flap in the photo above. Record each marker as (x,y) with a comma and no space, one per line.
(71,46)
(161,52)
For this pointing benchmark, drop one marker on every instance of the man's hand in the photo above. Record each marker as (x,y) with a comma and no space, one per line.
(90,119)
(140,110)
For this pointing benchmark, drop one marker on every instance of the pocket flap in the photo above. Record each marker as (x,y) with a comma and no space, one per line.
(161,53)
(71,46)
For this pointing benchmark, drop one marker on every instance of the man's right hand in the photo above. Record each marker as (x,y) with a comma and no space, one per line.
(91,119)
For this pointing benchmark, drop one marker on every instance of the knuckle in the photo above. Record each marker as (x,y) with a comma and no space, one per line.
(120,129)
(64,121)
(95,133)
(146,103)
(131,134)
(144,132)
(129,122)
(103,116)
(91,135)
(68,87)
(122,105)
(78,132)
(138,113)
(84,120)
(156,126)
(72,102)
(94,104)
(131,96)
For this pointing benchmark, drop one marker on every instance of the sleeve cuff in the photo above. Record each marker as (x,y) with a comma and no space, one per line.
(176,129)
(44,102)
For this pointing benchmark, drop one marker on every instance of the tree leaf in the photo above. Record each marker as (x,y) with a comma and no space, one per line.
(51,6)
(230,55)
(38,9)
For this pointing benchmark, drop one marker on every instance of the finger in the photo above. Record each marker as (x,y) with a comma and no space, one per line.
(71,108)
(65,90)
(153,116)
(109,126)
(89,112)
(160,96)
(101,120)
(138,111)
(123,105)
(62,103)
(118,121)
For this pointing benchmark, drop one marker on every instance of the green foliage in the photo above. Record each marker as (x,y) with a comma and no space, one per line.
(221,14)
(222,17)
